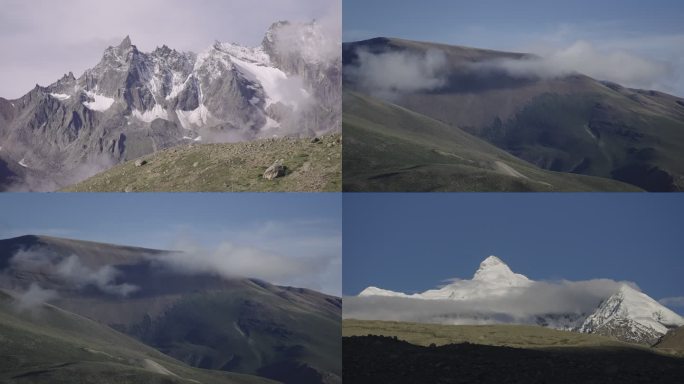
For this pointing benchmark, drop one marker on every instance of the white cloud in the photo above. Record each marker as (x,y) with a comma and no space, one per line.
(34,297)
(618,66)
(300,253)
(104,278)
(677,301)
(71,270)
(49,38)
(389,74)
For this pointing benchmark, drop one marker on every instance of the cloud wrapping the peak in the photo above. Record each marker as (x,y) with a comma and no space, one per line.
(583,57)
(518,305)
(230,260)
(71,270)
(389,74)
(104,278)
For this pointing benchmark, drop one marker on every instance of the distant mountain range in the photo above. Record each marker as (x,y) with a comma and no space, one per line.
(203,320)
(627,315)
(475,120)
(133,103)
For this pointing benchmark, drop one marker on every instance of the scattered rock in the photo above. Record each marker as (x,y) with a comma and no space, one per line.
(275,170)
(140,162)
(315,140)
(195,164)
(128,189)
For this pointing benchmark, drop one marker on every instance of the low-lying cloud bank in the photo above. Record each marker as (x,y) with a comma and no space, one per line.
(567,301)
(390,74)
(230,260)
(34,297)
(279,253)
(583,57)
(72,271)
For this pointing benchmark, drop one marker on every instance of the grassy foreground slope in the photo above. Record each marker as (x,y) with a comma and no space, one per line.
(45,344)
(672,342)
(518,336)
(389,148)
(234,167)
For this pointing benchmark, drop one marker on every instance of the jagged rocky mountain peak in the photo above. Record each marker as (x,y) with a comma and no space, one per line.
(132,103)
(126,42)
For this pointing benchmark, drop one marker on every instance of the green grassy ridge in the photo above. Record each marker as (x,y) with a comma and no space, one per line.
(233,167)
(567,124)
(46,344)
(602,132)
(517,336)
(390,148)
(200,319)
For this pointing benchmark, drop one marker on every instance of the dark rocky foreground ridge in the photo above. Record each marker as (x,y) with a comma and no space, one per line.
(378,359)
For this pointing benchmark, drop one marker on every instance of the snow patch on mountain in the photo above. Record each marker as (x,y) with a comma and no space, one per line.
(157,112)
(193,119)
(278,87)
(60,96)
(98,102)
(375,291)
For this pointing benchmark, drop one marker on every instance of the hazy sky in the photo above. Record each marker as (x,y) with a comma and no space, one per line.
(41,40)
(413,242)
(597,36)
(274,226)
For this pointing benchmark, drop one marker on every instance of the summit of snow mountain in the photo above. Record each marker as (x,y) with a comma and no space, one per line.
(494,270)
(631,315)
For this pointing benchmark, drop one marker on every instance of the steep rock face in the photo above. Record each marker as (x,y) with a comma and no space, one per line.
(308,51)
(133,103)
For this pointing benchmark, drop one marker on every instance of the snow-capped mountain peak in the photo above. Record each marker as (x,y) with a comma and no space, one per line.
(624,313)
(493,278)
(631,315)
(494,270)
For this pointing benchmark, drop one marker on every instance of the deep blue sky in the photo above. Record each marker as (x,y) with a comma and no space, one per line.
(411,242)
(155,220)
(653,30)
